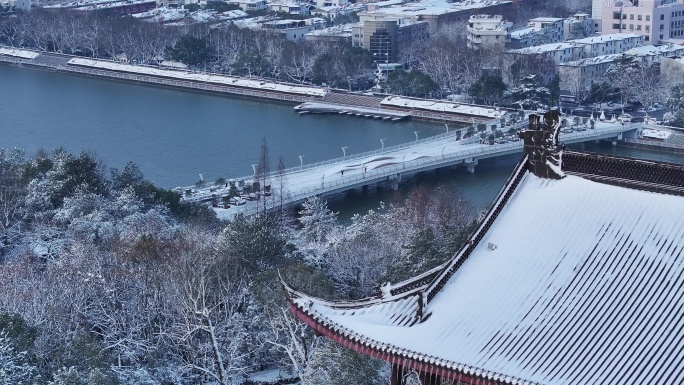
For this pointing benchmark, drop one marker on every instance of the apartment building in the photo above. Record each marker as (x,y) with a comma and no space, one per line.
(485,31)
(384,35)
(573,50)
(657,20)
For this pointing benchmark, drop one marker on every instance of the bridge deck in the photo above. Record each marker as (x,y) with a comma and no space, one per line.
(389,164)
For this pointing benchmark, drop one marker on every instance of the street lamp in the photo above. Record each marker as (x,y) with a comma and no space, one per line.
(382,144)
(254,168)
(301,160)
(344,151)
(416,132)
(447,126)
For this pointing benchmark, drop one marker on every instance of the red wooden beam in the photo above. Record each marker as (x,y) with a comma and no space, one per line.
(422,367)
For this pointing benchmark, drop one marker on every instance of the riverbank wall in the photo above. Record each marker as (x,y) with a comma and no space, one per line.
(55,62)
(653,145)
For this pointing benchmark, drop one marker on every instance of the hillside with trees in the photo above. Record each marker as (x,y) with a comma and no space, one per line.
(107,279)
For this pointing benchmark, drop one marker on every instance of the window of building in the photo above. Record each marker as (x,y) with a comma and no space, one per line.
(662,27)
(648,17)
(648,28)
(631,27)
(662,17)
(624,17)
(616,26)
(638,17)
(647,38)
(631,17)
(638,28)
(661,37)
(624,26)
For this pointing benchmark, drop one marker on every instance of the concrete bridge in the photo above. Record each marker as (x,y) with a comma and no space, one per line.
(386,166)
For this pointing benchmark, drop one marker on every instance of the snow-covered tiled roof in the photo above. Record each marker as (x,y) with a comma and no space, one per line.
(574,282)
(519,33)
(653,50)
(607,37)
(437,7)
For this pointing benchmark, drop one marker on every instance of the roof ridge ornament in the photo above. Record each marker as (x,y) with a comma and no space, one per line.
(540,139)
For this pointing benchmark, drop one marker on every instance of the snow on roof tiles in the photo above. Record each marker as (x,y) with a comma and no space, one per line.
(585,286)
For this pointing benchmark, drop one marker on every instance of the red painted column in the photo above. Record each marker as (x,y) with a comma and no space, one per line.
(397,374)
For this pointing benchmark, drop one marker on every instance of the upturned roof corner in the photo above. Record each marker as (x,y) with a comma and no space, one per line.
(540,140)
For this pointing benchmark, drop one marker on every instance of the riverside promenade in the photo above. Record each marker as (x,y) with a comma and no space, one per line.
(386,166)
(363,105)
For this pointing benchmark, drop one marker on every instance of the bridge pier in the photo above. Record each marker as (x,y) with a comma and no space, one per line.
(470,164)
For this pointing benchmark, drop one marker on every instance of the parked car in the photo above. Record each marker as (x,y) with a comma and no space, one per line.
(237,201)
(625,118)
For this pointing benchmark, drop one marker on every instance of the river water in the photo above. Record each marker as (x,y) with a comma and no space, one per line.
(175,135)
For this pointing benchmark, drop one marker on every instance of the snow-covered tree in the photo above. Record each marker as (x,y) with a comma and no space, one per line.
(14,366)
(333,364)
(530,94)
(318,225)
(675,106)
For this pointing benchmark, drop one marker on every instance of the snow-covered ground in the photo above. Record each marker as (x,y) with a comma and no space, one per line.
(270,376)
(206,78)
(443,106)
(20,53)
(162,15)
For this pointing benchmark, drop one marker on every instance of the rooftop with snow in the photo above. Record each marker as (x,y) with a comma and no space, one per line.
(574,277)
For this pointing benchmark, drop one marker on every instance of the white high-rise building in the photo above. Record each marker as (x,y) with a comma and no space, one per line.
(657,20)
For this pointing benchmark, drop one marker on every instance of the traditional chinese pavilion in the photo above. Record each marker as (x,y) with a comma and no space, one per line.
(575,276)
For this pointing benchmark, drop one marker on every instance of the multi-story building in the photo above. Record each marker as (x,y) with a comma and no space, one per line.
(384,36)
(437,12)
(294,30)
(540,30)
(547,30)
(551,27)
(609,44)
(249,5)
(336,33)
(486,31)
(290,7)
(577,76)
(331,3)
(578,23)
(656,20)
(573,50)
